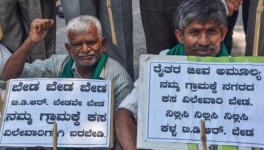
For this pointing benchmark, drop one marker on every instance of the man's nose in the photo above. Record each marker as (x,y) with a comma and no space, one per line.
(203,39)
(86,47)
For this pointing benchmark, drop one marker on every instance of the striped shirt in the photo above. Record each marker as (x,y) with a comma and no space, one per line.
(113,71)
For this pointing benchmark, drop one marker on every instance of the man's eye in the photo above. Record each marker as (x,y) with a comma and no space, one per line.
(194,32)
(76,44)
(91,42)
(212,32)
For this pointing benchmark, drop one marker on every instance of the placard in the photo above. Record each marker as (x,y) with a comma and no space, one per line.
(81,108)
(176,94)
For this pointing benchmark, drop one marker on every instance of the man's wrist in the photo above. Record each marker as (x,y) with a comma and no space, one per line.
(30,42)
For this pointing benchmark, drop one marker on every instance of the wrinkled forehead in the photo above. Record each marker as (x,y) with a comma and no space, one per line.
(197,24)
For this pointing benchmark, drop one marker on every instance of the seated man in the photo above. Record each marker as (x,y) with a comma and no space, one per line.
(87,57)
(201,27)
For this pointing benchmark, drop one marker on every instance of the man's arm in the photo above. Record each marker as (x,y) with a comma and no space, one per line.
(125,129)
(15,64)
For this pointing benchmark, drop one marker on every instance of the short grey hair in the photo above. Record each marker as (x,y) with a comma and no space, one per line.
(82,23)
(201,11)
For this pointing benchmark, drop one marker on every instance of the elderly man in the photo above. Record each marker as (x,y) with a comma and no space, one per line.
(87,56)
(201,27)
(122,21)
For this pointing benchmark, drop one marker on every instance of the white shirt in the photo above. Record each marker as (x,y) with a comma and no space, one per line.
(131,101)
(4,55)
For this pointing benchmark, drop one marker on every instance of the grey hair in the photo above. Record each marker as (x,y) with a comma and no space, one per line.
(201,11)
(82,23)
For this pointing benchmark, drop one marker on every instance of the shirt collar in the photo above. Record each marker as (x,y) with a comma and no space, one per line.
(76,74)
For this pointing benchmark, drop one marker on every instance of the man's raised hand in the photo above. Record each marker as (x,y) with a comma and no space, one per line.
(39,29)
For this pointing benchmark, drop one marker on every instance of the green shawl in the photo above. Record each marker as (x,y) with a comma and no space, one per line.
(67,73)
(67,69)
(180,50)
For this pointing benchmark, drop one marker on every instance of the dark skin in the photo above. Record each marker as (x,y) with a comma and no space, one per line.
(199,38)
(15,64)
(86,49)
(126,131)
(203,34)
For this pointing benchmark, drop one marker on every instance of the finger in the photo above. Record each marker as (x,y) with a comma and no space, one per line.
(50,23)
(47,23)
(36,26)
(42,27)
(45,26)
(42,24)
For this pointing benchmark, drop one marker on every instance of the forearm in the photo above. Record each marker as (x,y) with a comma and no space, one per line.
(125,128)
(15,64)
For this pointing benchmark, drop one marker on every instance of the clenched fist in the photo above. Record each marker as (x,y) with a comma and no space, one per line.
(39,29)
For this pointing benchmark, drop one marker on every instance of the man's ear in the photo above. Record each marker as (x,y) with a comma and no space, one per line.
(68,48)
(223,33)
(179,35)
(104,44)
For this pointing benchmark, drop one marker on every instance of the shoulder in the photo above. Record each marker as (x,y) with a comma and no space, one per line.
(121,80)
(60,57)
(44,68)
(114,71)
(51,62)
(114,68)
(54,59)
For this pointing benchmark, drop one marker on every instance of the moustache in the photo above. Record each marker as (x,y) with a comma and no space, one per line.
(200,47)
(86,54)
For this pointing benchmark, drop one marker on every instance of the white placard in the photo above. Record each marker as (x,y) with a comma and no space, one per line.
(81,108)
(176,95)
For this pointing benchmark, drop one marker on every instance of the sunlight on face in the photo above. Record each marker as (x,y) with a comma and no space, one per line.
(202,39)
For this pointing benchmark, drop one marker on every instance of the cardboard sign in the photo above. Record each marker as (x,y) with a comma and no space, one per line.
(81,108)
(227,96)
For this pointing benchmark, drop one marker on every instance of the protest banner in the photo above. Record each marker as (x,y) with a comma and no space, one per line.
(81,108)
(177,92)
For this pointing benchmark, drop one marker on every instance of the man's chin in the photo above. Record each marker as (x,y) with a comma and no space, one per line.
(90,63)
